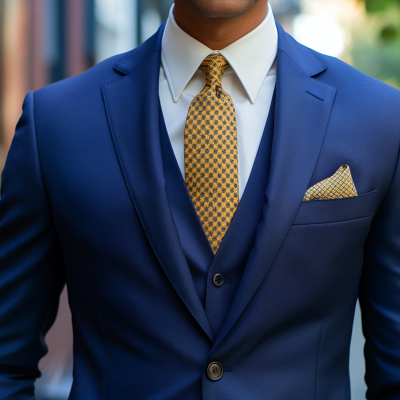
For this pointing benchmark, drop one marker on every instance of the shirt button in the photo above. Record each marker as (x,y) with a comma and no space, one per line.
(215,371)
(218,280)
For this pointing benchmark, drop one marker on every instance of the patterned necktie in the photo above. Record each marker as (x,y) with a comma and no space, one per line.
(211,154)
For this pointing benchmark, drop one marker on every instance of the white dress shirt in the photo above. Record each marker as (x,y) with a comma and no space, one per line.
(250,83)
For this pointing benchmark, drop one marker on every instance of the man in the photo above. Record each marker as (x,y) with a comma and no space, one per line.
(215,200)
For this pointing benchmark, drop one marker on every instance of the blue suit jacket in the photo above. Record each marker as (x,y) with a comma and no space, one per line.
(84,203)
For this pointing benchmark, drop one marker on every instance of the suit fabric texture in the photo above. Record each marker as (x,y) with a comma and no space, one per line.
(86,202)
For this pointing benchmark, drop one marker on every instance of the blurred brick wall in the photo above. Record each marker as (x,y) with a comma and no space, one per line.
(14,37)
(24,67)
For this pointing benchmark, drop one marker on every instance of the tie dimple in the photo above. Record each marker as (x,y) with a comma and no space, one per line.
(213,68)
(211,154)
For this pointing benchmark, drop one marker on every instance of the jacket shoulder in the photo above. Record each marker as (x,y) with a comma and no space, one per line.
(107,71)
(342,75)
(95,77)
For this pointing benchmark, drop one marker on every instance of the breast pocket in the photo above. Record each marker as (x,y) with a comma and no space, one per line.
(335,210)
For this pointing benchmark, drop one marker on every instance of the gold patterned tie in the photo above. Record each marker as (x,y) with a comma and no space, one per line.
(211,153)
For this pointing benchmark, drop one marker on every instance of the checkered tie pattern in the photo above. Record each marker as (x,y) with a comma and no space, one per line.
(211,153)
(337,186)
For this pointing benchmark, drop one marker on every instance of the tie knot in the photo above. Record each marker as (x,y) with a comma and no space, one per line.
(213,68)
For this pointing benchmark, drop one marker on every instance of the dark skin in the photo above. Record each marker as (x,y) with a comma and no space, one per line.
(218,23)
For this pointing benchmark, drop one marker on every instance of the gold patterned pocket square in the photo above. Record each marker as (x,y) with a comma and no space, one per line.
(337,186)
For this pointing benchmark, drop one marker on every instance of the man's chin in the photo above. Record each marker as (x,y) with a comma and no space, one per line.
(220,8)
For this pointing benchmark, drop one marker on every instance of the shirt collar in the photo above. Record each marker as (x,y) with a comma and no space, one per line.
(251,57)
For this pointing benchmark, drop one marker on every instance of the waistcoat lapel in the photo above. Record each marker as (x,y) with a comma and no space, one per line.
(230,259)
(303,108)
(132,106)
(194,242)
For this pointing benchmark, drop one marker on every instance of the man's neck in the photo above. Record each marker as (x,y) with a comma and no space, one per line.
(218,33)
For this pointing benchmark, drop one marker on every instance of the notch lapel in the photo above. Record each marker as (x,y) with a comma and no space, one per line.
(133,112)
(303,108)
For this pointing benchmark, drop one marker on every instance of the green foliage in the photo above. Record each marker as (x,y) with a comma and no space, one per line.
(380,5)
(376,43)
(390,32)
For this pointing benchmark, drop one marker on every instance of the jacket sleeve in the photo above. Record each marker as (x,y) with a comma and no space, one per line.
(31,267)
(380,298)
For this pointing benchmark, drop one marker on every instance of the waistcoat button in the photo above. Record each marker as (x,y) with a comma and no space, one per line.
(218,280)
(215,371)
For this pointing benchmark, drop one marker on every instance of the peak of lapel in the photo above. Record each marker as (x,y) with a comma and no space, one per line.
(133,112)
(302,112)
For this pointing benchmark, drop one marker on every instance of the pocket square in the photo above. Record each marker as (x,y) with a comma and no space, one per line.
(337,186)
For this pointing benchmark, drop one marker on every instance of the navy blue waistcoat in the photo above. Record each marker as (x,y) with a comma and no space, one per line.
(233,252)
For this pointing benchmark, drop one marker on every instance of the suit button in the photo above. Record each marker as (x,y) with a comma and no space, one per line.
(218,280)
(215,371)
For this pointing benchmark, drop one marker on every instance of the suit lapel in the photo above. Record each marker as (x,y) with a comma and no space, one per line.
(132,107)
(303,108)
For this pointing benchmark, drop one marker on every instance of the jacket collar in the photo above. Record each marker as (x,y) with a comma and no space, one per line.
(133,112)
(302,112)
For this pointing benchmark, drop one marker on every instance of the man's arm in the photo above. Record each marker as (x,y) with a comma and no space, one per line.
(31,267)
(380,298)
